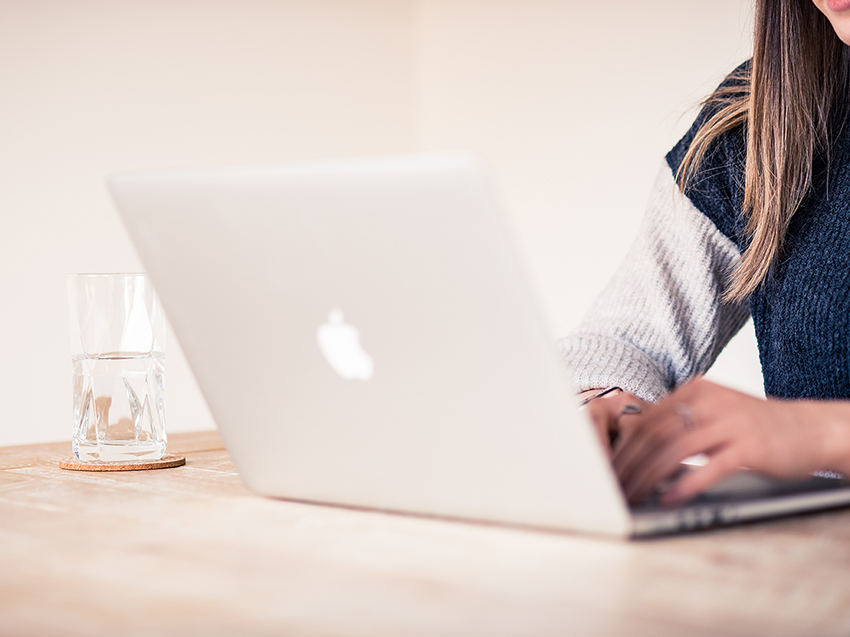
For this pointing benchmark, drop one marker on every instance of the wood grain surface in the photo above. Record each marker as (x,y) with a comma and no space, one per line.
(190,551)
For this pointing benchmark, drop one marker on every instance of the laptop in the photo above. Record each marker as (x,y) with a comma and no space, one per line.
(365,336)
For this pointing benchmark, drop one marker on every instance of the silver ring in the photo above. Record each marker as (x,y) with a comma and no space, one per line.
(630,409)
(687,416)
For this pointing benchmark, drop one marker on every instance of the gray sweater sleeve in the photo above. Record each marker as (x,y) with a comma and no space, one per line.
(660,321)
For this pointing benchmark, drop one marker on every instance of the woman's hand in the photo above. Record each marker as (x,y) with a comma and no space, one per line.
(605,413)
(780,438)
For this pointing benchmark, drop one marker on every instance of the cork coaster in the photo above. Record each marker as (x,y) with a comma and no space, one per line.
(168,460)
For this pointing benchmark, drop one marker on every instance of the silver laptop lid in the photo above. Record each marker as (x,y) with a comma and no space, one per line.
(364,335)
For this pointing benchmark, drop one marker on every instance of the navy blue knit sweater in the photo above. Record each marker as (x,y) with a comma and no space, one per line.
(801,311)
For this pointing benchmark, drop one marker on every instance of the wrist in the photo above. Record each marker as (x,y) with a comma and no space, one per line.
(835,437)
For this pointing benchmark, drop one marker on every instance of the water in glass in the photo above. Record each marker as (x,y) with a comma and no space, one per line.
(118,407)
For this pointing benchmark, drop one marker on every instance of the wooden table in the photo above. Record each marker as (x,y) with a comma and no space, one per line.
(189,551)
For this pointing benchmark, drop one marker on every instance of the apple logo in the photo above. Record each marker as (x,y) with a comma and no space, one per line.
(340,344)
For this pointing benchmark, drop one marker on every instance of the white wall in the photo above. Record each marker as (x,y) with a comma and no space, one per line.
(89,87)
(572,103)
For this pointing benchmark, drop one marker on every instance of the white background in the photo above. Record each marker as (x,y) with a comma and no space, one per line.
(572,104)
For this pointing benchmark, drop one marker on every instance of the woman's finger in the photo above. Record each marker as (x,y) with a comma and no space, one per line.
(605,414)
(600,417)
(721,465)
(644,436)
(667,462)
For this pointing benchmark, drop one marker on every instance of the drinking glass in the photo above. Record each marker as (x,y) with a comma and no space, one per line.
(118,359)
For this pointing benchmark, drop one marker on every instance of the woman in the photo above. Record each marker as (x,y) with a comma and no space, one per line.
(750,216)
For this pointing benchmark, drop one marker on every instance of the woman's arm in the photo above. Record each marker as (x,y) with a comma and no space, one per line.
(661,320)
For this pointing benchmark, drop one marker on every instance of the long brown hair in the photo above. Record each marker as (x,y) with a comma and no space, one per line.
(791,101)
